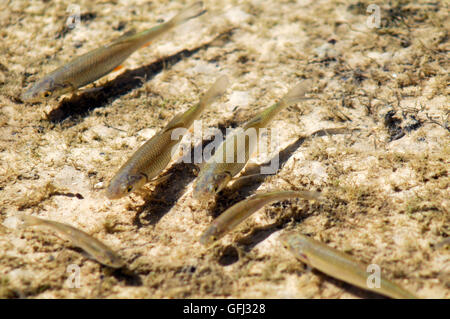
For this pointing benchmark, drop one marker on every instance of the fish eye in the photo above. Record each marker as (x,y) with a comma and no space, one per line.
(46,93)
(129,188)
(303,256)
(212,188)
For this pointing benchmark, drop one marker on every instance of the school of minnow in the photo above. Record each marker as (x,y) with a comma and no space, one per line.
(339,265)
(219,169)
(154,155)
(150,160)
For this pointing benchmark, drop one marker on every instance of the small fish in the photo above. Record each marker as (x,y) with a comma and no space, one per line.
(95,64)
(95,248)
(338,265)
(154,155)
(237,213)
(219,169)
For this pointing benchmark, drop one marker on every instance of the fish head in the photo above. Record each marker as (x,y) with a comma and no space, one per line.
(124,184)
(111,259)
(210,235)
(44,90)
(221,181)
(295,244)
(208,185)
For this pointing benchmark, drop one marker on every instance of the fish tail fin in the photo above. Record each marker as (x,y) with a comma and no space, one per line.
(297,93)
(191,12)
(28,220)
(217,89)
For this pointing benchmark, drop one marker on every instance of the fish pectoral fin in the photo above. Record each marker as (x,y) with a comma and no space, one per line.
(66,85)
(117,68)
(247,180)
(251,168)
(161,179)
(91,90)
(147,44)
(82,252)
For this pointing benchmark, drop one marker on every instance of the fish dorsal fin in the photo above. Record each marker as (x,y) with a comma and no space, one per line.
(124,37)
(254,121)
(176,122)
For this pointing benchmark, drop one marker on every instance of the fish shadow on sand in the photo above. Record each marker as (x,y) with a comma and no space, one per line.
(359,292)
(123,275)
(127,277)
(165,195)
(79,105)
(231,195)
